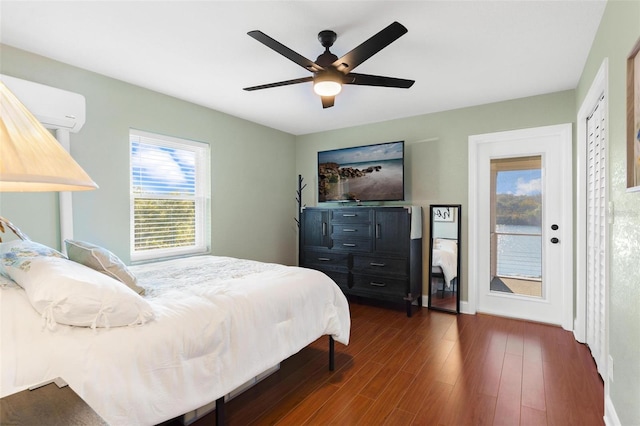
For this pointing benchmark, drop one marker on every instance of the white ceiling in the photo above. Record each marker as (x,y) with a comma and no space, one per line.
(461,53)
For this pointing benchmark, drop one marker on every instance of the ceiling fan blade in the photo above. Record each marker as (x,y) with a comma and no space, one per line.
(327,101)
(280,83)
(285,51)
(370,47)
(377,80)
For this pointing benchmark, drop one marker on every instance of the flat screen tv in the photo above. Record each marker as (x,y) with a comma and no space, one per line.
(362,173)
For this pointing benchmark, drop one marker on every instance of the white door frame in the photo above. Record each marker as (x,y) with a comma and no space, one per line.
(563,132)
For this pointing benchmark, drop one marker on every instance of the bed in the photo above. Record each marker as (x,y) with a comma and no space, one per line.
(445,257)
(205,326)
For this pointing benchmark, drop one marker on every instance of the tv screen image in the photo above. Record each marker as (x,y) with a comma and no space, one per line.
(362,173)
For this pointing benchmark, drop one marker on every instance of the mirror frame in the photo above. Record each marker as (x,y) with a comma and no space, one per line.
(432,207)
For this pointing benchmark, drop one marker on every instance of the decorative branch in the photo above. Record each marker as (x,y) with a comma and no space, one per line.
(299,198)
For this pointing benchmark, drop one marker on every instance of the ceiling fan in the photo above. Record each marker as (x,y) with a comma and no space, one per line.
(331,72)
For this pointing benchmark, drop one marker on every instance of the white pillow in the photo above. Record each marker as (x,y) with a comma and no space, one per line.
(66,292)
(102,260)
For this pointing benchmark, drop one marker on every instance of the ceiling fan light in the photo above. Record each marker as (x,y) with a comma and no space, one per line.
(327,87)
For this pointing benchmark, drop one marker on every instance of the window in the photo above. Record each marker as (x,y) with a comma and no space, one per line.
(169,196)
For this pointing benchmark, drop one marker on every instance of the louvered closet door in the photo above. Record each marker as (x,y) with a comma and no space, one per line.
(596,236)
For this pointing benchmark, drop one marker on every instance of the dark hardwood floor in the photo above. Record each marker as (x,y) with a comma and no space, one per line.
(432,369)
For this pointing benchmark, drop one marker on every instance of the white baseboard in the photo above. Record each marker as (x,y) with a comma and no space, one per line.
(58,381)
(610,415)
(464,306)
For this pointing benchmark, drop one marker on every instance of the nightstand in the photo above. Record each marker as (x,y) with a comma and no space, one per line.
(47,405)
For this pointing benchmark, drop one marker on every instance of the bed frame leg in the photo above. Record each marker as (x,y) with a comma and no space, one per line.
(220,411)
(332,357)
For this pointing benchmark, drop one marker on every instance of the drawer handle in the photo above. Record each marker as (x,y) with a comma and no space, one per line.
(348,215)
(349,230)
(375,284)
(324,259)
(348,244)
(382,265)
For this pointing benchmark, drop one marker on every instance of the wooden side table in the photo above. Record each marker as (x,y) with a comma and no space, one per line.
(47,405)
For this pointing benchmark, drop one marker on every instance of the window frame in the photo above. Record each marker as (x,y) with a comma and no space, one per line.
(202,195)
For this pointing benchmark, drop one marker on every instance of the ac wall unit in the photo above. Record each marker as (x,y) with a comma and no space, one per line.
(54,108)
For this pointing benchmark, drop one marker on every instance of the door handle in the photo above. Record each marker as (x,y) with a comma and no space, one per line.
(554,240)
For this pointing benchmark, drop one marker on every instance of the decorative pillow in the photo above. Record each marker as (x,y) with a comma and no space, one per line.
(66,292)
(17,252)
(102,260)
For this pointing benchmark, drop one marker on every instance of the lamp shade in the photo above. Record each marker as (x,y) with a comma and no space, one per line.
(31,159)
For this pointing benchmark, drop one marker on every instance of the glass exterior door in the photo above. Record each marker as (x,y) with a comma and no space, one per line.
(516,226)
(521,251)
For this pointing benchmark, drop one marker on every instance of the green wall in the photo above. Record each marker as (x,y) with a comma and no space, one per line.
(619,30)
(436,151)
(254,171)
(253,176)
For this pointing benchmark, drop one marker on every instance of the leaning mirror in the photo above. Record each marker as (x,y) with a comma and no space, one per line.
(444,257)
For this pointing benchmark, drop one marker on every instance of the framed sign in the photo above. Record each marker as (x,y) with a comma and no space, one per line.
(443,214)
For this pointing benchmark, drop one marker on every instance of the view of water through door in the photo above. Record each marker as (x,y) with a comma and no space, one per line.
(516,226)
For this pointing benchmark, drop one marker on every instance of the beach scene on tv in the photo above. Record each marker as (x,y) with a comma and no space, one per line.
(363,173)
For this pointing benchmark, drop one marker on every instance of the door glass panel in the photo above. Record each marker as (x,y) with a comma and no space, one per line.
(516,226)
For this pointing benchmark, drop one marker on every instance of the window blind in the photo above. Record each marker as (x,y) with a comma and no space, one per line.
(169,196)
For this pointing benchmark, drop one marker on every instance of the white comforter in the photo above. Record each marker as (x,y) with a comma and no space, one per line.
(448,262)
(211,333)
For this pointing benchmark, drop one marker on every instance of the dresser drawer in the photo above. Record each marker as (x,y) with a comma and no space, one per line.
(351,216)
(379,285)
(326,259)
(380,265)
(340,278)
(353,245)
(350,230)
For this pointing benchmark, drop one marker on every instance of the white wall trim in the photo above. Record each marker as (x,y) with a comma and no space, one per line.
(610,415)
(465,308)
(472,223)
(65,200)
